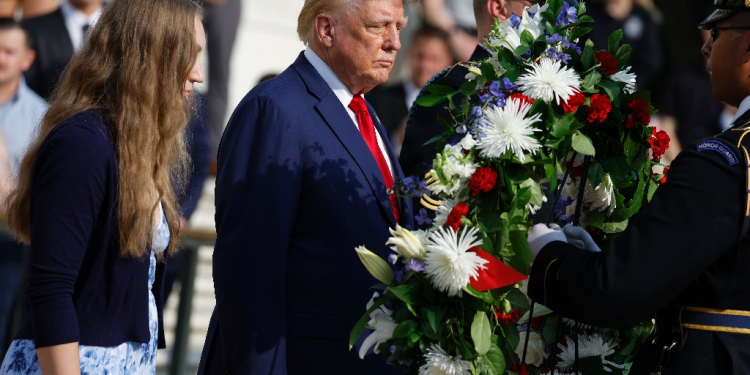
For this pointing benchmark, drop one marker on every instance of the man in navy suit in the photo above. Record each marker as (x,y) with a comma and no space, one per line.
(305,174)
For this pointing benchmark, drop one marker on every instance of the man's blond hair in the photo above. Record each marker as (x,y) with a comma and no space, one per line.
(311,10)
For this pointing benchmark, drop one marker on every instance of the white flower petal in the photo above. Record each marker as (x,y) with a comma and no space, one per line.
(449,263)
(440,363)
(548,80)
(509,129)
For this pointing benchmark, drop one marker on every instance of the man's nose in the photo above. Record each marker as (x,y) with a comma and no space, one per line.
(706,49)
(392,39)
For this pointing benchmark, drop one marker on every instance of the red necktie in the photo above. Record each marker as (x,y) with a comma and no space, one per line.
(367,128)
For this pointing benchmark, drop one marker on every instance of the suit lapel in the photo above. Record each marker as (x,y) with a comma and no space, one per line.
(338,120)
(61,33)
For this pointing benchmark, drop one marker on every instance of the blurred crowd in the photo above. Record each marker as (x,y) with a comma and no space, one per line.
(38,38)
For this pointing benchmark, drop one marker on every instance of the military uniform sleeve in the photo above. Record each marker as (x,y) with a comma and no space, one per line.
(692,220)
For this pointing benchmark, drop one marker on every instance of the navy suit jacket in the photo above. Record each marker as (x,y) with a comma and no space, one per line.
(49,37)
(297,190)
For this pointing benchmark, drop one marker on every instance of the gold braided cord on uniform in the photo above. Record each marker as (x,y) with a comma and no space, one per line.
(742,128)
(715,311)
(747,184)
(717,328)
(545,280)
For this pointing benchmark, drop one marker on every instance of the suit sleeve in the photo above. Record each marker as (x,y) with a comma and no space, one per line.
(257,191)
(70,177)
(692,220)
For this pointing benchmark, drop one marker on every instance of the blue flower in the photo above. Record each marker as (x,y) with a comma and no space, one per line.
(555,38)
(500,101)
(508,85)
(567,15)
(398,274)
(571,45)
(413,265)
(422,189)
(462,129)
(423,218)
(561,209)
(495,88)
(476,112)
(515,21)
(484,97)
(454,141)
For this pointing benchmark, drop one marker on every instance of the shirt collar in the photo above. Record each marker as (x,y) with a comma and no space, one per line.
(75,20)
(339,88)
(411,91)
(19,92)
(744,107)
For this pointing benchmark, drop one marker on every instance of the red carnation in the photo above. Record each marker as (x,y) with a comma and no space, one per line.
(609,64)
(506,319)
(454,218)
(641,111)
(659,143)
(664,178)
(483,180)
(629,122)
(519,368)
(521,97)
(574,101)
(598,108)
(536,323)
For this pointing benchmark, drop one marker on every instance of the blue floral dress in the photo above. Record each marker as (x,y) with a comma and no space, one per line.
(127,358)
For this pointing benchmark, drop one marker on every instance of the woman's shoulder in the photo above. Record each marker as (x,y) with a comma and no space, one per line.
(81,137)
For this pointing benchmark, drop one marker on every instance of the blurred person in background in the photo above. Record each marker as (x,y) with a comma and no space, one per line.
(429,54)
(416,157)
(95,196)
(221,19)
(688,109)
(56,37)
(681,41)
(21,110)
(636,20)
(29,8)
(455,17)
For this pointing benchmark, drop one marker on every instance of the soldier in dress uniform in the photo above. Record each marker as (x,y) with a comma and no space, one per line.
(687,252)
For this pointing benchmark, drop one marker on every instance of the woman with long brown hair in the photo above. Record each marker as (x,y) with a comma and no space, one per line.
(95,198)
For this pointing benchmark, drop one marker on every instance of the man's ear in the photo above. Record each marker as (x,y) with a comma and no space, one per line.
(496,8)
(324,29)
(30,56)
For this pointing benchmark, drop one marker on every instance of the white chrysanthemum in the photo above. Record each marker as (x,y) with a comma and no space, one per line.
(440,363)
(449,262)
(382,325)
(548,80)
(588,346)
(508,128)
(625,77)
(600,198)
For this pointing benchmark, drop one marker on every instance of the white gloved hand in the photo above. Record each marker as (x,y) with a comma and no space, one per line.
(540,235)
(578,237)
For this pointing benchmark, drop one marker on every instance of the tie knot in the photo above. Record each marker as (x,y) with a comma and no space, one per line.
(358,104)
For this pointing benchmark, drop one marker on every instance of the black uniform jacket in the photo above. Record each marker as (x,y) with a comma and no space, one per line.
(681,250)
(416,157)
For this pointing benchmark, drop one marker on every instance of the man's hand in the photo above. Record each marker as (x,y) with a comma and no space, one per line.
(541,235)
(578,237)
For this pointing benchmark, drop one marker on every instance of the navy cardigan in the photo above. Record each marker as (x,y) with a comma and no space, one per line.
(79,288)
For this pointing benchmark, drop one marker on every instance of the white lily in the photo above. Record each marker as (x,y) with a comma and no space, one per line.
(377,267)
(406,244)
(382,325)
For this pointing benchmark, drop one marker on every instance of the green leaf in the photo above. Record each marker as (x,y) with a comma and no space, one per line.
(517,299)
(521,246)
(527,38)
(536,191)
(512,338)
(551,172)
(483,296)
(618,227)
(590,81)
(405,328)
(467,88)
(481,332)
(581,11)
(582,144)
(441,90)
(579,32)
(596,174)
(414,338)
(496,359)
(623,55)
(549,329)
(585,19)
(522,197)
(561,128)
(431,100)
(488,71)
(587,58)
(652,185)
(617,166)
(405,293)
(362,323)
(433,139)
(591,366)
(522,50)
(611,88)
(614,42)
(435,317)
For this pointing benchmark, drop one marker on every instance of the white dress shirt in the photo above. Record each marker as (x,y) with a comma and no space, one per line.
(744,107)
(344,95)
(411,92)
(75,20)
